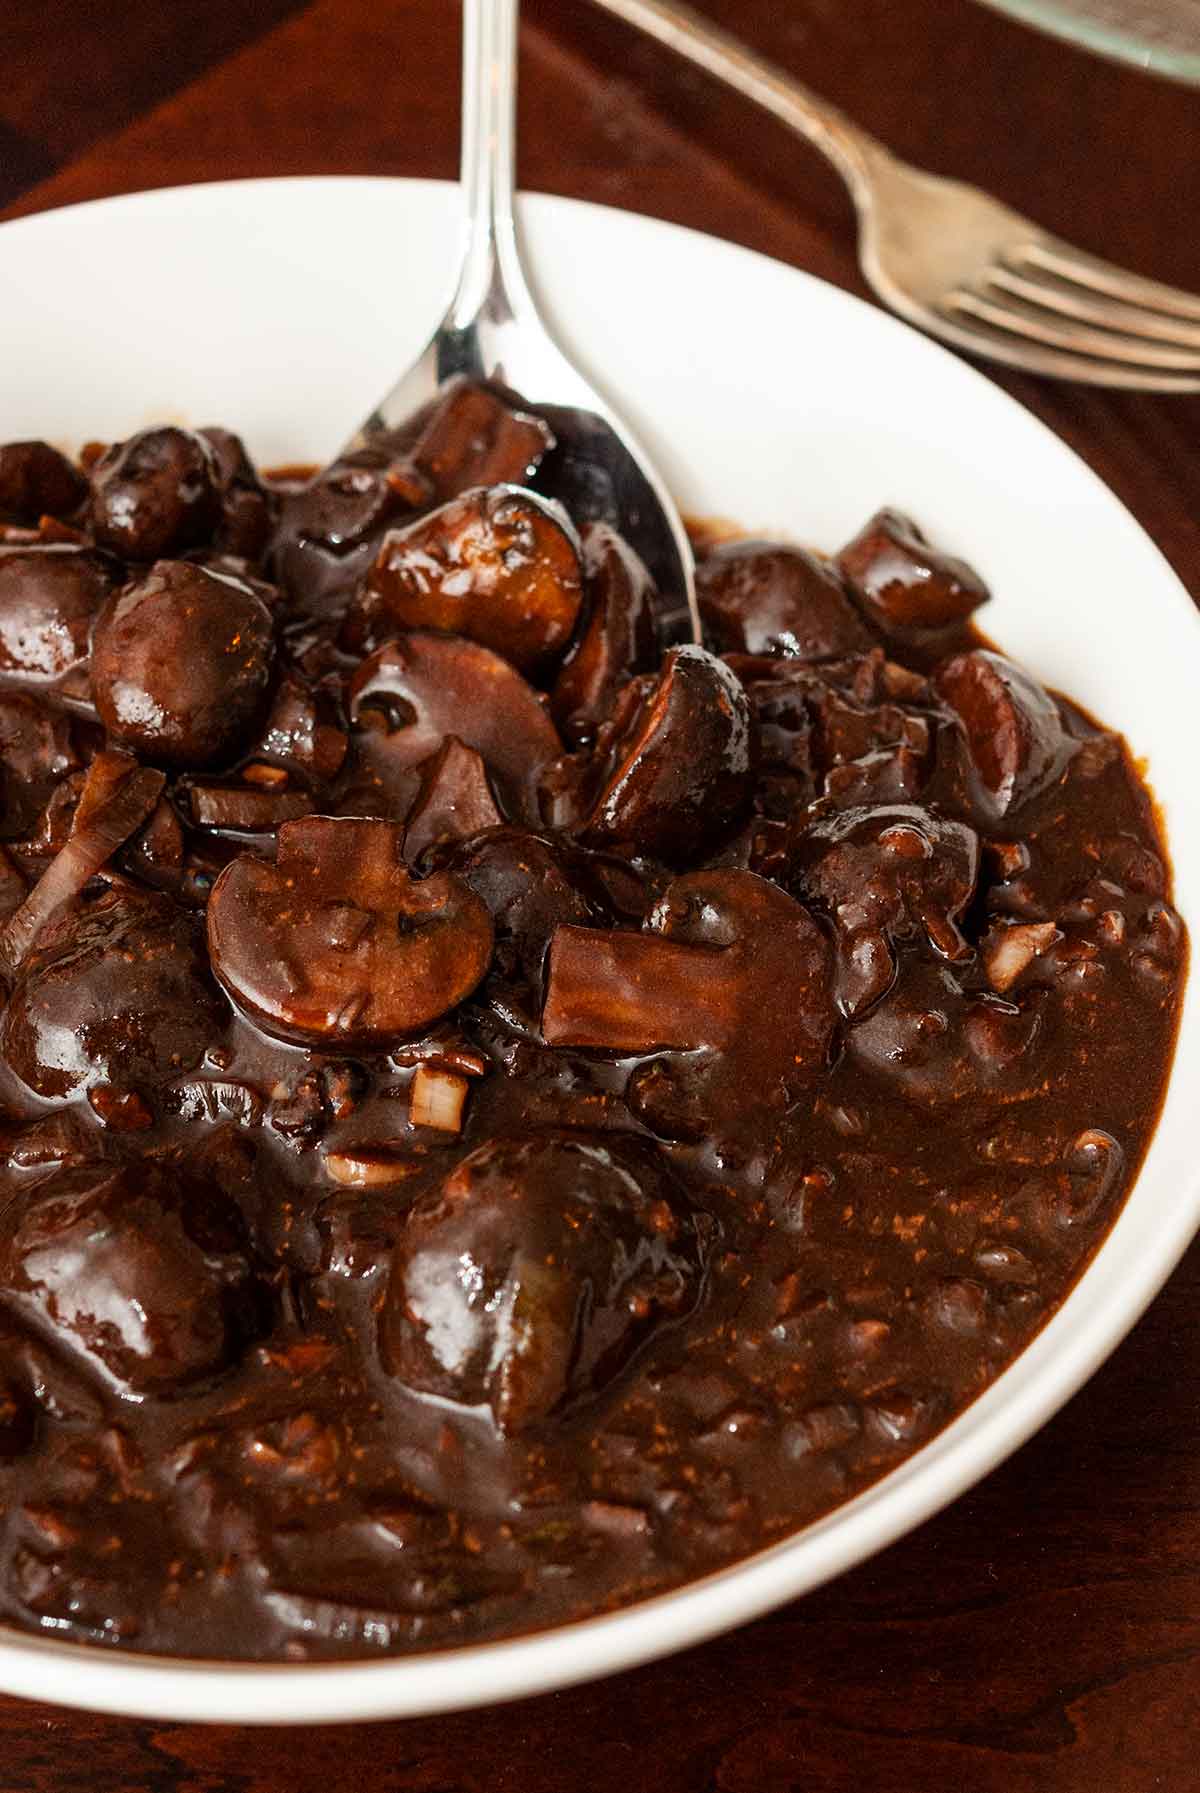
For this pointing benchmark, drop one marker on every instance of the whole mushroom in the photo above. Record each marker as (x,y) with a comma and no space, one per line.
(114,994)
(336,945)
(155,494)
(37,480)
(48,599)
(142,1270)
(498,565)
(765,598)
(181,661)
(528,1280)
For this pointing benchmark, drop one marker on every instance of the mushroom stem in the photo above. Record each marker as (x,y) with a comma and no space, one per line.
(617,991)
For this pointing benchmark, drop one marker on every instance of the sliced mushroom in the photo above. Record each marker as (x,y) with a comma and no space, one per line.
(498,565)
(406,698)
(1011,725)
(454,800)
(37,481)
(619,639)
(764,598)
(540,1266)
(336,945)
(730,968)
(155,494)
(246,808)
(672,770)
(903,582)
(181,660)
(156,855)
(48,598)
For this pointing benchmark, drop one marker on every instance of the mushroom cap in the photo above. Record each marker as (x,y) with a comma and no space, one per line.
(155,494)
(674,770)
(430,686)
(335,944)
(1010,724)
(114,992)
(48,597)
(141,1268)
(37,480)
(181,661)
(768,598)
(536,1270)
(498,565)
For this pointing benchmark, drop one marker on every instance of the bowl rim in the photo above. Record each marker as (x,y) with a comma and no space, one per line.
(1072,1344)
(1156,53)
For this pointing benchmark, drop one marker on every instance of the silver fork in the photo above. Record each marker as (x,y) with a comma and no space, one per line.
(954,261)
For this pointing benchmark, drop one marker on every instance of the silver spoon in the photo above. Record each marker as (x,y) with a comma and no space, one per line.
(492,331)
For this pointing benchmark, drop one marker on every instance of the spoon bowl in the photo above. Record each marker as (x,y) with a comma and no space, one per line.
(493,332)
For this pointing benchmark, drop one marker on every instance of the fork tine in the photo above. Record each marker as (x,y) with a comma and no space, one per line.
(1088,308)
(1020,319)
(1053,256)
(975,337)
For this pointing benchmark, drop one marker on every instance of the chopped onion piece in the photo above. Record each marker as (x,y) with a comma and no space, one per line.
(437,1099)
(368,1167)
(1008,951)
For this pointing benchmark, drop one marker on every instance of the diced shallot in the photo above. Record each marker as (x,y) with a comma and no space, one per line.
(1008,951)
(437,1099)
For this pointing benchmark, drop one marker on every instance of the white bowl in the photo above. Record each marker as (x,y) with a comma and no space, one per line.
(282,308)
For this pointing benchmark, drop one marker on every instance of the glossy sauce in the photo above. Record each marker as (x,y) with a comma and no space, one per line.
(681,1089)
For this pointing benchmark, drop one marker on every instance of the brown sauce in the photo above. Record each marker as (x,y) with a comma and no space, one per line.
(498,1122)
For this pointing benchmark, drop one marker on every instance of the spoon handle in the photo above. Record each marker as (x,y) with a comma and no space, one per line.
(491,282)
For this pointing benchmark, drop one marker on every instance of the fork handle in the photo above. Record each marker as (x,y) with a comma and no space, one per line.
(845,144)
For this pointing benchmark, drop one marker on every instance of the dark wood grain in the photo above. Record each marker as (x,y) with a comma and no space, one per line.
(1044,1633)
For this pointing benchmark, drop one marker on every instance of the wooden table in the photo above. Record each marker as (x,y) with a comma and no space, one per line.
(1043,1634)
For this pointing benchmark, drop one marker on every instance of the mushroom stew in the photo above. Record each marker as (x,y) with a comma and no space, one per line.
(499,1119)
